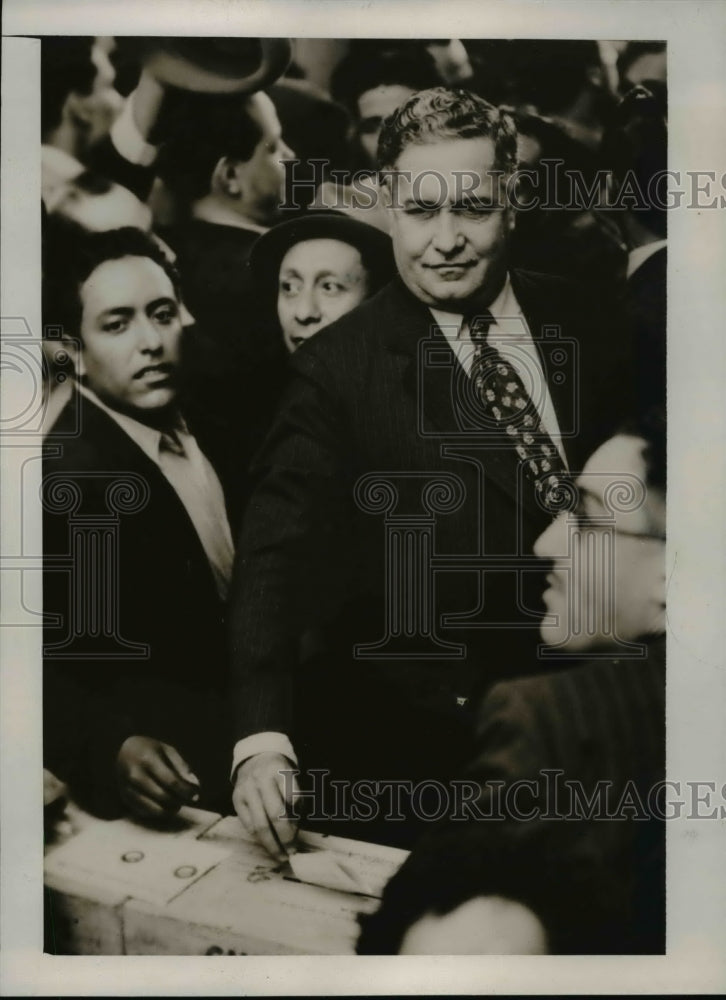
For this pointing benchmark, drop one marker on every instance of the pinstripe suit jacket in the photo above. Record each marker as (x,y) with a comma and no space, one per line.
(596,881)
(370,437)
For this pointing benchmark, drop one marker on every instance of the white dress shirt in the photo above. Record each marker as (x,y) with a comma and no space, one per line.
(195,483)
(638,255)
(510,335)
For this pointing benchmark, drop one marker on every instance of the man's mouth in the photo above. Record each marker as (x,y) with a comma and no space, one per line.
(553,581)
(153,372)
(459,265)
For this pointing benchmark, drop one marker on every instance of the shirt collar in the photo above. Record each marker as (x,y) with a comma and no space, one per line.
(504,305)
(147,438)
(208,210)
(638,256)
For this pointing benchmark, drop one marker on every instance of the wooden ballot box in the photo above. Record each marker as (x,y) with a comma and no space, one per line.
(200,888)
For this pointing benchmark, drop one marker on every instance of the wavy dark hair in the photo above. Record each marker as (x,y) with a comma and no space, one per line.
(71,255)
(447,113)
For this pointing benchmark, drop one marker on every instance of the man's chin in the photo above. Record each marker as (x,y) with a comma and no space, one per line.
(151,408)
(449,293)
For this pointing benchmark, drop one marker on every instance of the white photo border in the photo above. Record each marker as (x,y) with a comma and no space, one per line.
(696,690)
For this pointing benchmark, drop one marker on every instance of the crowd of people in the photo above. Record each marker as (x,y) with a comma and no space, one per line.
(355,462)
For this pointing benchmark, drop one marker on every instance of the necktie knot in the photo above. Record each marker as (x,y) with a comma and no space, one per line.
(170,441)
(479,325)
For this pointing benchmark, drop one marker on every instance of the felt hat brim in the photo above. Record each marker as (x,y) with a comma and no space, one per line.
(216,65)
(374,246)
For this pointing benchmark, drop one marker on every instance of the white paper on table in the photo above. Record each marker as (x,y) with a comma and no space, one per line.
(326,869)
(144,864)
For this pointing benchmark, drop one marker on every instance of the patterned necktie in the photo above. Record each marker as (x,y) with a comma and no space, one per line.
(506,403)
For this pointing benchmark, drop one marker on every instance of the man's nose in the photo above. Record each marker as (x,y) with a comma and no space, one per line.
(286,153)
(307,309)
(552,543)
(150,339)
(448,237)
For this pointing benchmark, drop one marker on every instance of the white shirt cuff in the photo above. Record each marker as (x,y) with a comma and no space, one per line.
(250,746)
(128,140)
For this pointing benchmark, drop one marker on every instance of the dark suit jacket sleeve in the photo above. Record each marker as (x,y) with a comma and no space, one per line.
(456,861)
(84,722)
(603,721)
(293,553)
(133,636)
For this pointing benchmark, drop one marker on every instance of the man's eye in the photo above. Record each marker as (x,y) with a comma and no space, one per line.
(474,211)
(420,211)
(165,316)
(114,326)
(332,287)
(289,288)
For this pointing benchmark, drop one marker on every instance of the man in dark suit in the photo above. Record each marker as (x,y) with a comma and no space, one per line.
(137,550)
(224,162)
(563,845)
(635,148)
(383,577)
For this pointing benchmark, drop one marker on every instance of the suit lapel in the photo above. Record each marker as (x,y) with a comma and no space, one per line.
(433,378)
(119,453)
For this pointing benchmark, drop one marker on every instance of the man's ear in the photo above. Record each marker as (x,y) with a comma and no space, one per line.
(228,177)
(73,348)
(186,317)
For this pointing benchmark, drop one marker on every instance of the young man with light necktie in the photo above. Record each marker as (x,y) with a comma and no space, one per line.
(137,548)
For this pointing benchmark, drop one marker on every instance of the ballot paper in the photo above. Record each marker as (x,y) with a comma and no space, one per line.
(331,871)
(143,863)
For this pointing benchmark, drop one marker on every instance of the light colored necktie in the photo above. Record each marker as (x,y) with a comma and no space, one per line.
(199,490)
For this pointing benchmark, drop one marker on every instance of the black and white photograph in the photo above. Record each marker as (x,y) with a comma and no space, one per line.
(363,484)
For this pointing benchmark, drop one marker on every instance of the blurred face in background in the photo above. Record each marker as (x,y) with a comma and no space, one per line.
(320,281)
(96,112)
(452,60)
(373,106)
(607,582)
(263,175)
(648,66)
(107,206)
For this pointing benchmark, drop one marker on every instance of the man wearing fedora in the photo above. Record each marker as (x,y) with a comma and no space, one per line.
(312,270)
(384,576)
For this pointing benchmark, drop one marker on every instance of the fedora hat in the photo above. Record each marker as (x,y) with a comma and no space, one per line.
(374,246)
(215,65)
